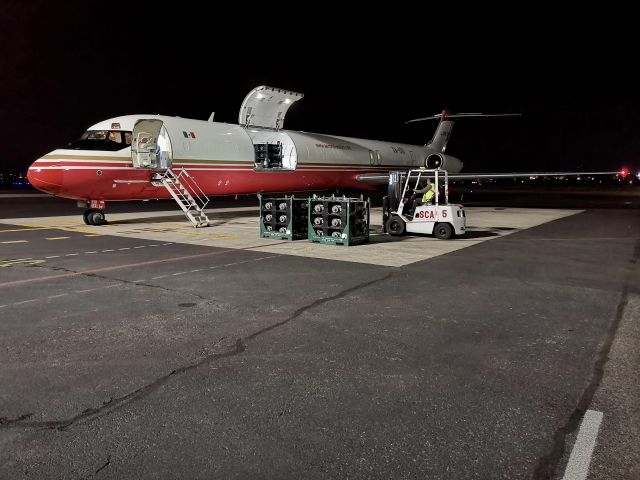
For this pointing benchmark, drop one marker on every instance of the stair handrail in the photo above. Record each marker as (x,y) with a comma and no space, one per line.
(195,189)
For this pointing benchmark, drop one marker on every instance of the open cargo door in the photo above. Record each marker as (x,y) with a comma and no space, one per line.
(266,107)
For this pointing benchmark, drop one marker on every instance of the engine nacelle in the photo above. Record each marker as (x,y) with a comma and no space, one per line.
(444,162)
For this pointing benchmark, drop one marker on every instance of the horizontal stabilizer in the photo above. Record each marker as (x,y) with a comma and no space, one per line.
(451,116)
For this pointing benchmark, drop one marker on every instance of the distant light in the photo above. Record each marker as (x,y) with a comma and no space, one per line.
(624,172)
(638,175)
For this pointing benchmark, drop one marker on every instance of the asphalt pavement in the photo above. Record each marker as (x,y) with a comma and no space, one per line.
(130,358)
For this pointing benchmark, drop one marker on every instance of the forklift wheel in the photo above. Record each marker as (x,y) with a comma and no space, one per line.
(443,231)
(395,226)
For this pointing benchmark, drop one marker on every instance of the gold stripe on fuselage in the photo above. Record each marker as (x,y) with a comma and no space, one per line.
(183,162)
(86,158)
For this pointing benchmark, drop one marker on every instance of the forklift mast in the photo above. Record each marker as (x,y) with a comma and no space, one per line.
(391,202)
(396,183)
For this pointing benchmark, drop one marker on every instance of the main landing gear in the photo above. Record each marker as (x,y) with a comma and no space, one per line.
(94,216)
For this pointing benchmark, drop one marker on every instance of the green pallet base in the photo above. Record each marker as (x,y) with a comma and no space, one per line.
(338,241)
(352,217)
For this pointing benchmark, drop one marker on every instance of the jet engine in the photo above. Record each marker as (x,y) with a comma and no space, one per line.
(445,162)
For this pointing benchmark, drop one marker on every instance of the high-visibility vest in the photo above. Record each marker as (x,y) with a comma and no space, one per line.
(428,195)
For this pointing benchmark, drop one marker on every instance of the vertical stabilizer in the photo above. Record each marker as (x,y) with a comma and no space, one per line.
(443,132)
(447,119)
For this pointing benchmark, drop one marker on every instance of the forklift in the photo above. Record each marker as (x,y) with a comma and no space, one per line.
(443,220)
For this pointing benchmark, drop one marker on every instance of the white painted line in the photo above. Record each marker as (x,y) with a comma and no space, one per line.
(153,245)
(56,296)
(111,286)
(179,273)
(90,252)
(2,306)
(141,246)
(580,459)
(138,281)
(125,248)
(26,301)
(158,277)
(108,250)
(71,254)
(196,270)
(53,256)
(167,243)
(87,290)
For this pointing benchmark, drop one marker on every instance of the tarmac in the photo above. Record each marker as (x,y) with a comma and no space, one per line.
(148,349)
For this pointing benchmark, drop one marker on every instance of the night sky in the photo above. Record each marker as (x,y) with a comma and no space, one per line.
(67,65)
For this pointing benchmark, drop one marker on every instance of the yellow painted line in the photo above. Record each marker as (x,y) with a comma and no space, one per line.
(71,228)
(23,261)
(92,235)
(25,229)
(16,241)
(209,235)
(57,238)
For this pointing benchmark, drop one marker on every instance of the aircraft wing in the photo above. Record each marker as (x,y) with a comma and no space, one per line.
(472,176)
(374,178)
(382,178)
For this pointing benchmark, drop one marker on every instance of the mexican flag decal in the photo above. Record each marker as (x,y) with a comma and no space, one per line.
(188,134)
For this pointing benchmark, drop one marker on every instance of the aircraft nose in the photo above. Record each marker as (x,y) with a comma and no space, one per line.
(46,180)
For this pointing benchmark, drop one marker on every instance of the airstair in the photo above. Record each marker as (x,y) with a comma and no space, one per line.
(187,194)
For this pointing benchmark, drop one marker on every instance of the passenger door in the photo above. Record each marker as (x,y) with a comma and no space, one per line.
(150,145)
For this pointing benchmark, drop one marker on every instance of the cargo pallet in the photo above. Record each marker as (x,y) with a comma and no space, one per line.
(338,220)
(283,218)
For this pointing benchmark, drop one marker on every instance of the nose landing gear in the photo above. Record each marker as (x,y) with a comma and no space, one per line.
(94,216)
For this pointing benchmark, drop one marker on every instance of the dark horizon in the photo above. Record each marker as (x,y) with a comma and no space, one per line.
(66,67)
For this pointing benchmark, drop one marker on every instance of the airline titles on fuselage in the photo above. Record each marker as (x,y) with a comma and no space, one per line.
(331,145)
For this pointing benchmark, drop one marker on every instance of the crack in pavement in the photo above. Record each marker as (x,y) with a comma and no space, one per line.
(239,347)
(109,268)
(144,284)
(548,464)
(123,281)
(105,465)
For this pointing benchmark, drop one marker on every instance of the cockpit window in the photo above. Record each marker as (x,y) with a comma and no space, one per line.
(107,140)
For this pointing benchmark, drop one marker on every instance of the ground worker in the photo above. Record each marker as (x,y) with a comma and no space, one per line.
(428,192)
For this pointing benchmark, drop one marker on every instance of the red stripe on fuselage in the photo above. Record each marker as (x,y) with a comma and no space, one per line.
(108,182)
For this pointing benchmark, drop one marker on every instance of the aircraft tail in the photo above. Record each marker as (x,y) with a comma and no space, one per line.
(445,126)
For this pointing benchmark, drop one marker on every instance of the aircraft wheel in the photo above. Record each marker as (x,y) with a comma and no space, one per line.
(86,214)
(97,218)
(395,226)
(443,231)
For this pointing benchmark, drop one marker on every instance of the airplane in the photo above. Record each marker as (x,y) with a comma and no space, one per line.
(136,157)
